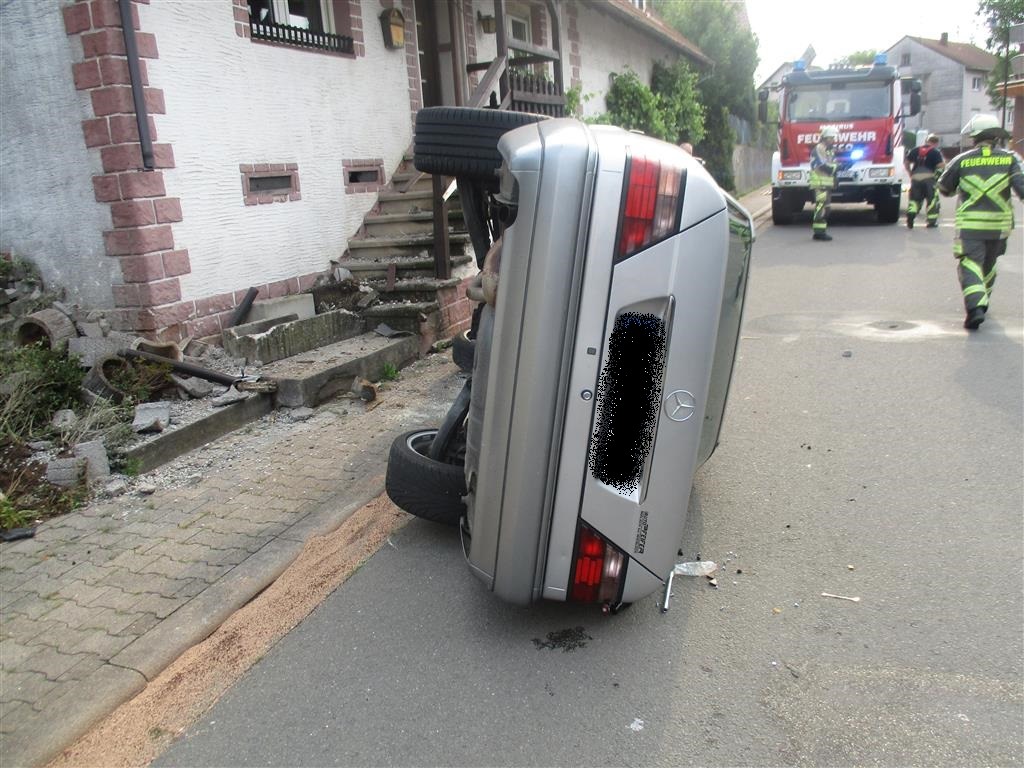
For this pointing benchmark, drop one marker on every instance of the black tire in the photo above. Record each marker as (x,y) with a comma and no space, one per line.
(782,210)
(888,210)
(463,351)
(421,486)
(461,141)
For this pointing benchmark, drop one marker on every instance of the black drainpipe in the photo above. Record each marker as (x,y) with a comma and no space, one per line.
(141,114)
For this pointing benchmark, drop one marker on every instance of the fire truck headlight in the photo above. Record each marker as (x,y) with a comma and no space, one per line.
(881,173)
(856,154)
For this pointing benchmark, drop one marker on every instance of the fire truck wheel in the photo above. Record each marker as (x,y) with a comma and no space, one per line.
(461,141)
(782,210)
(421,486)
(463,351)
(888,210)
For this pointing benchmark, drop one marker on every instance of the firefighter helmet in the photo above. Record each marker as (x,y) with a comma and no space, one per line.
(982,127)
(829,132)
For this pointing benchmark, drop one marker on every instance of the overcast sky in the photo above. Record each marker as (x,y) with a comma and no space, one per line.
(785,28)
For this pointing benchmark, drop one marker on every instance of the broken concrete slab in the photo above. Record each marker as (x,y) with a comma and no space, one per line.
(232,395)
(97,466)
(152,417)
(300,336)
(320,374)
(300,304)
(91,349)
(232,337)
(64,420)
(193,386)
(66,472)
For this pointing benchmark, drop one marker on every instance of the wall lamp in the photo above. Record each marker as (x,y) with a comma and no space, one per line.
(487,23)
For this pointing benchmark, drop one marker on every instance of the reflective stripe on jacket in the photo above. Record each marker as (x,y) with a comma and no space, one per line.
(984,177)
(823,165)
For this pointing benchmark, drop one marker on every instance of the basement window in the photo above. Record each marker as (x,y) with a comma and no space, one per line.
(363,175)
(270,183)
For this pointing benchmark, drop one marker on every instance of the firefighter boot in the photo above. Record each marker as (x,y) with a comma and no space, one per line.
(910,221)
(974,318)
(822,236)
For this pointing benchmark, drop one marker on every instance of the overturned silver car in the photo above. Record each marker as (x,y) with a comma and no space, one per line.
(611,301)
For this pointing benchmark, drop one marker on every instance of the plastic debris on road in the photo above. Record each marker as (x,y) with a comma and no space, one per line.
(697,568)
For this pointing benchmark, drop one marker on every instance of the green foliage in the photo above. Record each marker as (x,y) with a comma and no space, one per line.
(141,380)
(676,88)
(574,101)
(40,382)
(999,16)
(863,58)
(668,109)
(390,372)
(728,87)
(11,516)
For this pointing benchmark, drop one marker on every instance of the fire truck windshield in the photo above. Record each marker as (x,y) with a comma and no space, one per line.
(838,101)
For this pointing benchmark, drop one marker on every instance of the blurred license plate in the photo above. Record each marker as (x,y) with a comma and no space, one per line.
(847,174)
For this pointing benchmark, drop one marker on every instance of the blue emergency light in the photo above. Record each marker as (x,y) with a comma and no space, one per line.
(799,65)
(857,154)
(881,59)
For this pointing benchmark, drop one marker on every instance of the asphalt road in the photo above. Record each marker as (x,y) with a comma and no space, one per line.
(872,449)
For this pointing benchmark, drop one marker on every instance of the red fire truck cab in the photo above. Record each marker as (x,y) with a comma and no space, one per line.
(865,105)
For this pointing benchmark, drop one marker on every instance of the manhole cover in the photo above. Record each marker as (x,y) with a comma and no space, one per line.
(893,325)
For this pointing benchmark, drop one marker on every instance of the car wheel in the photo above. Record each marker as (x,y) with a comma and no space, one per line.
(463,351)
(462,141)
(422,486)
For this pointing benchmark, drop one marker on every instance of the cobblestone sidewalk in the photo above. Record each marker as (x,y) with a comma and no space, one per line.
(104,598)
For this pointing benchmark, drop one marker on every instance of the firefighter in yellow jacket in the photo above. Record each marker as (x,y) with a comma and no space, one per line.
(984,177)
(822,180)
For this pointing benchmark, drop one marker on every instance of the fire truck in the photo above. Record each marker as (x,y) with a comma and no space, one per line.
(865,105)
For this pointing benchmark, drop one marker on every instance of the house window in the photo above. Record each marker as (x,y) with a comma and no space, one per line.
(519,28)
(976,83)
(905,60)
(299,23)
(269,183)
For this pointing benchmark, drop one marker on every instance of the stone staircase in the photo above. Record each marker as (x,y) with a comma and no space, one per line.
(393,254)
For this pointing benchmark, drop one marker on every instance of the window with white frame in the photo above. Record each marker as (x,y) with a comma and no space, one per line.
(905,60)
(976,83)
(302,23)
(519,28)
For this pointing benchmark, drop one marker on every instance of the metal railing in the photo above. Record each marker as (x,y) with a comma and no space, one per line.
(301,38)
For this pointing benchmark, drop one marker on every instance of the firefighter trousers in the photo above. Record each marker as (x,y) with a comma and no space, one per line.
(924,194)
(976,269)
(822,201)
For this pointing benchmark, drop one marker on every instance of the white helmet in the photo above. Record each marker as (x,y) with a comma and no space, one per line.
(829,132)
(983,126)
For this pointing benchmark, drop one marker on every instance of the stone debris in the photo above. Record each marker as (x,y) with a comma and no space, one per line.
(232,395)
(300,414)
(66,472)
(92,349)
(192,386)
(152,417)
(64,420)
(95,454)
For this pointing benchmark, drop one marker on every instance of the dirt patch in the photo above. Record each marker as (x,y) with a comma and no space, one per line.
(141,729)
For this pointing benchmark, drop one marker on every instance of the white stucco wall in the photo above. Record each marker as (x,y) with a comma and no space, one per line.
(48,211)
(608,45)
(232,101)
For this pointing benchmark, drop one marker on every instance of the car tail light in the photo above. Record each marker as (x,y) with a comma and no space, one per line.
(598,568)
(651,203)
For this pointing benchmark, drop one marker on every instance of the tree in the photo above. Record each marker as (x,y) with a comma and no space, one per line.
(1000,15)
(856,59)
(714,26)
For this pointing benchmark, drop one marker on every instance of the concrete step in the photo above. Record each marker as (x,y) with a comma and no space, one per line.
(402,224)
(414,290)
(407,267)
(320,374)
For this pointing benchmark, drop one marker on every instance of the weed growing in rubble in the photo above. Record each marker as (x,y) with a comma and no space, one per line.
(390,372)
(11,516)
(38,383)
